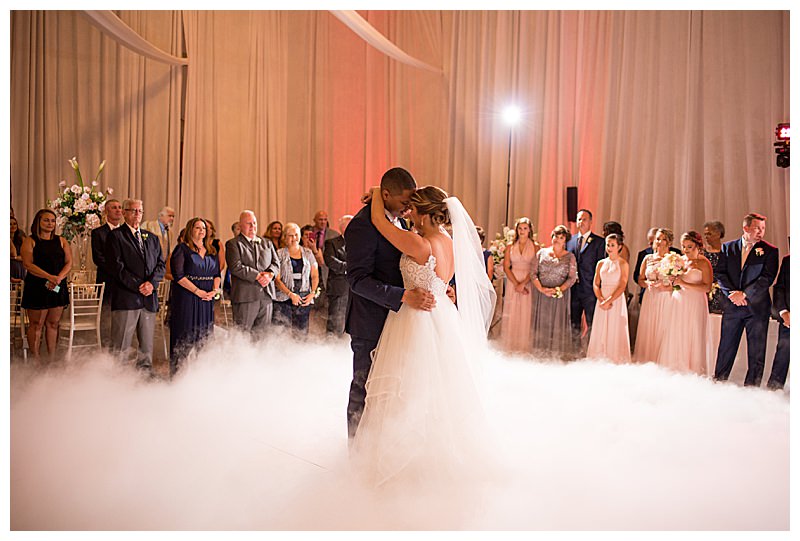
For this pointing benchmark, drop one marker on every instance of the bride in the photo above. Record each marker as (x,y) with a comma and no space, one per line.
(423,416)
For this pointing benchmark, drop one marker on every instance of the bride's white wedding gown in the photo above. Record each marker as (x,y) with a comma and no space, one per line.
(423,417)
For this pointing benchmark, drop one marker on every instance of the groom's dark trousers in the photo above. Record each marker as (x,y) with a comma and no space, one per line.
(376,286)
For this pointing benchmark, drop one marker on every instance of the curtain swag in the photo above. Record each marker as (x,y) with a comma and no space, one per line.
(115,28)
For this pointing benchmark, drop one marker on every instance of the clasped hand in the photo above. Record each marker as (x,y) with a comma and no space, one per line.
(738,298)
(264,278)
(146,289)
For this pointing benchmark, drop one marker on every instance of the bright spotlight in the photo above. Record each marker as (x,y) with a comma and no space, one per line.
(512,115)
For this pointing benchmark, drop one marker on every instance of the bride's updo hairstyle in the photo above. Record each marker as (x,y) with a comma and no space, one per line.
(429,201)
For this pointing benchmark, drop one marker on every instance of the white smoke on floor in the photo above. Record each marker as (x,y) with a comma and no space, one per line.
(252,436)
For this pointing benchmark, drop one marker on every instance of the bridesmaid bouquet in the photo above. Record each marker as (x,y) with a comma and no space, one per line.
(672,265)
(498,249)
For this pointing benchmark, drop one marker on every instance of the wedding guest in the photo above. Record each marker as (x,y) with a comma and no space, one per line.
(616,228)
(713,233)
(254,266)
(274,233)
(518,300)
(16,236)
(684,343)
(308,240)
(653,317)
(47,258)
(338,289)
(651,235)
(161,227)
(136,266)
(780,305)
(297,281)
(113,212)
(195,271)
(588,248)
(211,234)
(610,337)
(748,268)
(226,284)
(553,273)
(487,254)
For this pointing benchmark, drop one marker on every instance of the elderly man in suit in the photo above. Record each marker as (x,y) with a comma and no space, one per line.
(162,227)
(780,306)
(588,249)
(748,268)
(253,264)
(113,210)
(136,266)
(338,289)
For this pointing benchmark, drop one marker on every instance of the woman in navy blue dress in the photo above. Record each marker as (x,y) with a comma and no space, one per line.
(196,275)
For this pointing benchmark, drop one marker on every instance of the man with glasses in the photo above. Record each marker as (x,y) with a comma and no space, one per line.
(136,265)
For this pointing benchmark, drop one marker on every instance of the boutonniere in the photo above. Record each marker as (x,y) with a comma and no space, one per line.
(589,239)
(759,252)
(145,235)
(257,240)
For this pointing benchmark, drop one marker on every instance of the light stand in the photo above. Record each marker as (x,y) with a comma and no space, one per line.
(511,116)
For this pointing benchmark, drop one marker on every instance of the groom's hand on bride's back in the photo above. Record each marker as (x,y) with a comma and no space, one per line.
(421,299)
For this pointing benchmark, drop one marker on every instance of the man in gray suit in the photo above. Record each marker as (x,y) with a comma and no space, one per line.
(253,264)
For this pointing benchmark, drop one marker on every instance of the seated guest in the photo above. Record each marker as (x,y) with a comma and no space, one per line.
(48,259)
(685,332)
(610,338)
(113,211)
(17,267)
(338,289)
(616,228)
(553,272)
(274,233)
(713,233)
(297,281)
(195,271)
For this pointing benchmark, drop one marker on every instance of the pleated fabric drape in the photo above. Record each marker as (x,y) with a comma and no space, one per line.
(660,118)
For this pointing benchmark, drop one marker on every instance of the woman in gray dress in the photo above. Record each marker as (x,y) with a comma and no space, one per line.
(553,272)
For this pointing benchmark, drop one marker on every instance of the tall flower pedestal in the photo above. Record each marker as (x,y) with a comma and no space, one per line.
(80,244)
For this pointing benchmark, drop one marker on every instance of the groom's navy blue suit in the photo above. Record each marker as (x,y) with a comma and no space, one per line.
(754,279)
(376,286)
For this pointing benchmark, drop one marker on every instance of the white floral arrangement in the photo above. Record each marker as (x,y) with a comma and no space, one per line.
(79,207)
(672,265)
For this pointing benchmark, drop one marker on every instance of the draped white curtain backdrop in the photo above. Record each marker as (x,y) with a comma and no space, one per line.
(659,117)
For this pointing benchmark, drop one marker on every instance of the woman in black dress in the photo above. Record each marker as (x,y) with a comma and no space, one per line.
(17,236)
(195,273)
(713,233)
(48,259)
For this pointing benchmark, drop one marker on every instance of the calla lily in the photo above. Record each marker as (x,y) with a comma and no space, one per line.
(100,170)
(74,163)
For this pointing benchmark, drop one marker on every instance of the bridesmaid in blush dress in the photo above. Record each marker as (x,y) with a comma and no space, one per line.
(684,346)
(610,338)
(653,315)
(518,301)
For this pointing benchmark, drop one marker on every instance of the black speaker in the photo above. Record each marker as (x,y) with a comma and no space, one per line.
(572,203)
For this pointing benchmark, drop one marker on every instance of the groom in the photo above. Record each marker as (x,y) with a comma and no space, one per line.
(376,285)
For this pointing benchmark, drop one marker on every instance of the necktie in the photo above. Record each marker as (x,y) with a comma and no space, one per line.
(746,251)
(580,243)
(139,241)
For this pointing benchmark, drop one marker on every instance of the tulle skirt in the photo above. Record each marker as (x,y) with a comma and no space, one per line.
(423,419)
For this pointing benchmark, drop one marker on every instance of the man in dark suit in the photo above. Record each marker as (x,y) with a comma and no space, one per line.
(748,268)
(253,263)
(338,290)
(113,210)
(376,285)
(136,265)
(588,249)
(780,305)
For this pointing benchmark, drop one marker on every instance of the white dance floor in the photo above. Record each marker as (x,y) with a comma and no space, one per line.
(252,437)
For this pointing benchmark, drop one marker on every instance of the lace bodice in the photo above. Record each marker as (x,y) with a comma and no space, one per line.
(422,276)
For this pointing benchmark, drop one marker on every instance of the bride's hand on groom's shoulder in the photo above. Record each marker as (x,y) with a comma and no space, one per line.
(367,197)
